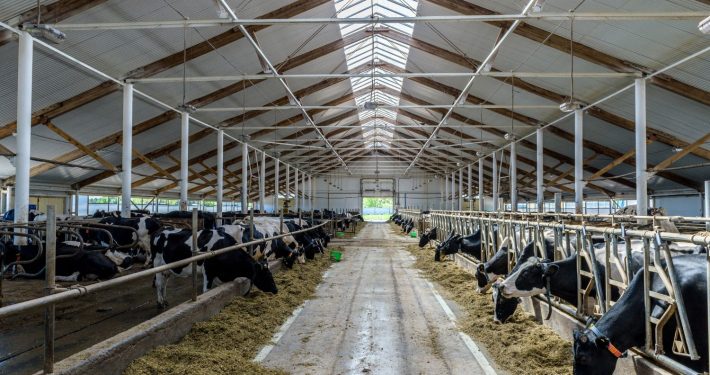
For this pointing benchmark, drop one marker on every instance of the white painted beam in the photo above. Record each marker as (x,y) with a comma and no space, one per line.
(24,132)
(127,150)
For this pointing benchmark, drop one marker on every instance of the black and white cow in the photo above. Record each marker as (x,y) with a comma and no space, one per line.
(171,246)
(488,272)
(72,263)
(427,236)
(597,348)
(470,245)
(144,228)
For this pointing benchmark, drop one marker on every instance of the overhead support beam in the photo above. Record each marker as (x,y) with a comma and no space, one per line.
(582,51)
(127,150)
(540,170)
(579,161)
(640,143)
(24,132)
(220,172)
(88,151)
(680,154)
(461,98)
(245,175)
(221,22)
(272,69)
(184,156)
(498,74)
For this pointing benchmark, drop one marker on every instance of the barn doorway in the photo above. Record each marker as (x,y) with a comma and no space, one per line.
(377,209)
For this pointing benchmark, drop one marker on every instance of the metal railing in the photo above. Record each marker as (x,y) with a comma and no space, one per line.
(514,230)
(55,295)
(416,216)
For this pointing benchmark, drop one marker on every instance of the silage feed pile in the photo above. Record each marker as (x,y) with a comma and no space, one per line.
(520,346)
(227,343)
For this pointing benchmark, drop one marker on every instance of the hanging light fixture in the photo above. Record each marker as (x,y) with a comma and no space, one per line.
(537,7)
(571,104)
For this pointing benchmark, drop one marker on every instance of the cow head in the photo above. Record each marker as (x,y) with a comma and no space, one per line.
(592,353)
(426,237)
(503,308)
(529,279)
(263,279)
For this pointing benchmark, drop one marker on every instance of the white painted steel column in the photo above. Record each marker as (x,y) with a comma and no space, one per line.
(442,194)
(184,155)
(453,190)
(578,161)
(469,189)
(295,190)
(641,179)
(707,204)
(277,166)
(461,189)
(67,204)
(480,185)
(24,132)
(303,192)
(446,191)
(287,194)
(220,172)
(310,193)
(540,171)
(127,150)
(558,202)
(76,203)
(513,177)
(8,199)
(262,183)
(245,177)
(495,181)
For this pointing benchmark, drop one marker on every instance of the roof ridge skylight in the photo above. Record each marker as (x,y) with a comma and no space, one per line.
(375,48)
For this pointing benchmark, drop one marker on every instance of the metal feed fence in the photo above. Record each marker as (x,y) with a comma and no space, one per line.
(515,230)
(55,295)
(417,216)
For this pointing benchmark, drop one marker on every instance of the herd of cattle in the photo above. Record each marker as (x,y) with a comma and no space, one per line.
(598,346)
(111,244)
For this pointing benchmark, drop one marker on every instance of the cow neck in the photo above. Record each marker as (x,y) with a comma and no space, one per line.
(621,323)
(561,285)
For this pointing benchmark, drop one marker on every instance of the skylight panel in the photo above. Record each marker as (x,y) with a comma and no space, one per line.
(375,49)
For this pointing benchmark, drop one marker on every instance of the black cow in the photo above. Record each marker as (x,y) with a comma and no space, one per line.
(470,245)
(174,245)
(597,348)
(427,236)
(488,272)
(72,263)
(145,227)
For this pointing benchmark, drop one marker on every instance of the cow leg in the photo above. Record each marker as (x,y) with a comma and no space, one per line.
(144,244)
(161,285)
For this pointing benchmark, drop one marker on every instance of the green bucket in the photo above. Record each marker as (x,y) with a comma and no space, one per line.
(413,234)
(336,255)
(340,234)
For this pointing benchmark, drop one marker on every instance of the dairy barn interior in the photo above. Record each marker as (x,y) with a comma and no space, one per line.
(354,186)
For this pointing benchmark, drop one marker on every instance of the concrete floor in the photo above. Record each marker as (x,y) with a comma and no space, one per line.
(373,313)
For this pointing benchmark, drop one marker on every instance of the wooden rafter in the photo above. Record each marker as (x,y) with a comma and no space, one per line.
(580,50)
(80,145)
